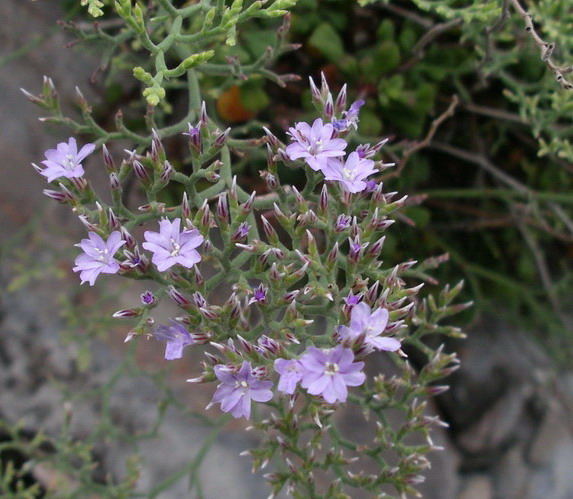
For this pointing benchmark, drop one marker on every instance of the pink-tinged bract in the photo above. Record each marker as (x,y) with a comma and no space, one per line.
(98,257)
(372,325)
(315,144)
(170,246)
(352,173)
(291,373)
(329,372)
(237,389)
(65,160)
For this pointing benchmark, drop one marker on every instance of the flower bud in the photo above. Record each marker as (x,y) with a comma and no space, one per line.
(222,138)
(323,201)
(342,223)
(315,93)
(113,220)
(141,172)
(223,209)
(376,248)
(114,182)
(269,231)
(271,138)
(107,159)
(241,233)
(332,257)
(329,108)
(247,206)
(127,313)
(128,238)
(166,172)
(340,104)
(270,180)
(157,150)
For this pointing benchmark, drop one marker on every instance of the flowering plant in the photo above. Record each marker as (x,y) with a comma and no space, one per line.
(307,301)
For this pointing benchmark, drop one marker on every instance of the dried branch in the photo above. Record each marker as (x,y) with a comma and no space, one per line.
(545,48)
(416,146)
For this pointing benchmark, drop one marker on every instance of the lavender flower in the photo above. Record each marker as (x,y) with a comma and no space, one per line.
(260,295)
(315,144)
(342,223)
(169,246)
(98,256)
(350,174)
(291,373)
(372,324)
(177,338)
(349,118)
(329,372)
(65,160)
(237,389)
(148,298)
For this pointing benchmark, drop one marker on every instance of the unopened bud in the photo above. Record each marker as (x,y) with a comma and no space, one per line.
(223,209)
(340,104)
(166,172)
(107,159)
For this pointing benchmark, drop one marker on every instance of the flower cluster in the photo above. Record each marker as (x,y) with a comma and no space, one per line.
(322,372)
(323,149)
(283,291)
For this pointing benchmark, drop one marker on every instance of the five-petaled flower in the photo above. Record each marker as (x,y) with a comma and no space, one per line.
(98,257)
(259,295)
(291,373)
(65,160)
(177,338)
(314,144)
(238,388)
(170,246)
(372,325)
(352,173)
(329,372)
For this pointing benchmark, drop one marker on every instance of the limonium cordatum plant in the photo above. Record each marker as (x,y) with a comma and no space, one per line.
(300,318)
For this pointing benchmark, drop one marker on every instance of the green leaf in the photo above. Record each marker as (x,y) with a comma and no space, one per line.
(253,97)
(385,31)
(325,39)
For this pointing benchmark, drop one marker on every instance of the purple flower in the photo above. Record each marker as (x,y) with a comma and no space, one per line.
(237,389)
(98,256)
(315,144)
(65,160)
(148,298)
(350,174)
(353,299)
(372,324)
(291,373)
(177,338)
(349,118)
(241,232)
(169,246)
(260,295)
(342,223)
(329,372)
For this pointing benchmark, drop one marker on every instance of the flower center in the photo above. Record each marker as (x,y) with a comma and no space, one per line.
(315,148)
(103,254)
(69,162)
(242,384)
(331,369)
(347,173)
(176,247)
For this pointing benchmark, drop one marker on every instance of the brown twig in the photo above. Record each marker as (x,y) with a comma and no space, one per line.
(493,112)
(545,48)
(416,146)
(418,51)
